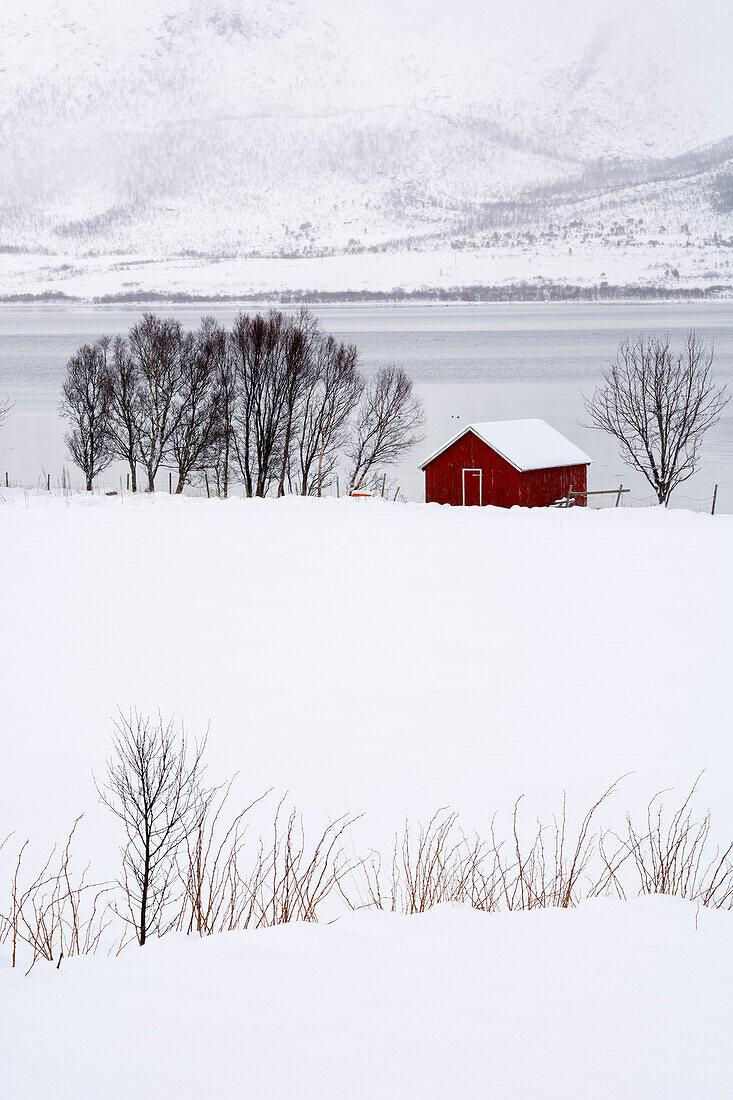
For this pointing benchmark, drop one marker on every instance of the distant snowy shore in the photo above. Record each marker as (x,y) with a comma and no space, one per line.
(529,273)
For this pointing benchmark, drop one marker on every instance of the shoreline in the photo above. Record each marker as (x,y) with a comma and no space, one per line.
(552,293)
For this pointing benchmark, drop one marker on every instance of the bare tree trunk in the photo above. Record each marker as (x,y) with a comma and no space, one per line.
(144,893)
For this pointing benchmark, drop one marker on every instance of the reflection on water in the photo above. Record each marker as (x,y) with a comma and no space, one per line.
(472,362)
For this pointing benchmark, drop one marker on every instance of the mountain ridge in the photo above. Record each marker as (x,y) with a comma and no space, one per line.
(296,127)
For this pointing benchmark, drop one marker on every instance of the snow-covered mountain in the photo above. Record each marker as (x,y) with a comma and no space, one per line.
(236,127)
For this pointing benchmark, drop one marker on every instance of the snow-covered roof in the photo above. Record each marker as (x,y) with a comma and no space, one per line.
(525,444)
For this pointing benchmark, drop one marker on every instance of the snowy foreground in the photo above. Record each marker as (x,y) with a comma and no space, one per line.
(385,659)
(608,1001)
(369,657)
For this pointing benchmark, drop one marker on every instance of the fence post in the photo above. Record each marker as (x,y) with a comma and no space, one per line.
(570,496)
(337,485)
(618,495)
(715,497)
(206,479)
(170,481)
(6,480)
(48,483)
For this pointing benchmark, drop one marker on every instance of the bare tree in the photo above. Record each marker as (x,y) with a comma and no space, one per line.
(326,408)
(387,422)
(154,786)
(301,337)
(6,408)
(85,404)
(259,354)
(125,407)
(195,422)
(155,345)
(658,405)
(222,447)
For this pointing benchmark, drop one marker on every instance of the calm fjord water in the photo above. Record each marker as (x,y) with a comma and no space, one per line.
(470,362)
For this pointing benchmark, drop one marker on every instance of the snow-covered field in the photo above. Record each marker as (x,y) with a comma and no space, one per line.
(386,659)
(608,1001)
(367,656)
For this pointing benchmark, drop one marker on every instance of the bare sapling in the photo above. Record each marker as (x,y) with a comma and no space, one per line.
(154,786)
(659,405)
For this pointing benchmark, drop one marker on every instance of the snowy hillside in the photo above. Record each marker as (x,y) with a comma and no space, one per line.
(300,127)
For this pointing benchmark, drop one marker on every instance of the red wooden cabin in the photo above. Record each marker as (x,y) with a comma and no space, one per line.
(504,463)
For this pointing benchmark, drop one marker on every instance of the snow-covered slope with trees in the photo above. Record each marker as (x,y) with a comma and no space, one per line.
(299,127)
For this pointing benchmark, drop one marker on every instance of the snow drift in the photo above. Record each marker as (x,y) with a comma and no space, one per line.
(606,1001)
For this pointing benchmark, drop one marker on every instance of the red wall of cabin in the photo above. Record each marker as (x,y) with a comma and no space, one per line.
(502,484)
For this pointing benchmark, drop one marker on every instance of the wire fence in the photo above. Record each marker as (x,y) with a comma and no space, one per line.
(66,484)
(703,504)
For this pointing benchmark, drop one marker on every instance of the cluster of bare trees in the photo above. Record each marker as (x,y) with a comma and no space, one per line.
(186,863)
(274,403)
